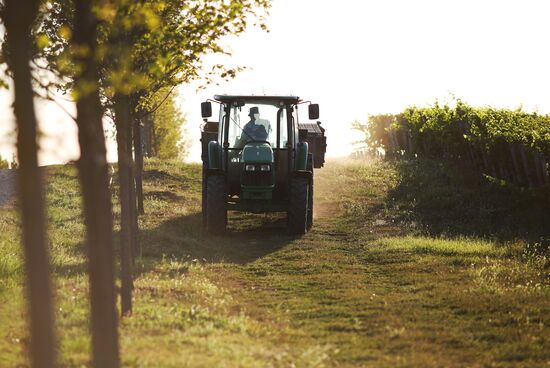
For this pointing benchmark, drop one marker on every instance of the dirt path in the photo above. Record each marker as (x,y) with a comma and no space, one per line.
(7,186)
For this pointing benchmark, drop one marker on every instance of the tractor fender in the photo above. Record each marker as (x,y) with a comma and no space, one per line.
(214,172)
(303,174)
(301,160)
(214,156)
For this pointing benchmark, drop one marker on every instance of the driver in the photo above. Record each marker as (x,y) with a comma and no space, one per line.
(254,129)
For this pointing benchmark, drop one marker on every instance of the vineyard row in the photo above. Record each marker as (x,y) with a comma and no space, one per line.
(511,145)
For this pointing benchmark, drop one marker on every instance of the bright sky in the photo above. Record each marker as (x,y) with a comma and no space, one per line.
(357,58)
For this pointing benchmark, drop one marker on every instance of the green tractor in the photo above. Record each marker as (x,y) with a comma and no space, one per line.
(258,158)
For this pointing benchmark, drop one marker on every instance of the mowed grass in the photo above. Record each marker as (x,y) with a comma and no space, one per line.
(409,264)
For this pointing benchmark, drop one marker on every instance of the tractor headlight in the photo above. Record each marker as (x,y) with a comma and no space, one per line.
(250,167)
(265,167)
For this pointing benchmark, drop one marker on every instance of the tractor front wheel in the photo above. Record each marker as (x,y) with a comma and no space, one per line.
(216,212)
(297,213)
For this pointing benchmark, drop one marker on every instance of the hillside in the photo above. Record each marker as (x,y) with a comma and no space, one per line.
(409,264)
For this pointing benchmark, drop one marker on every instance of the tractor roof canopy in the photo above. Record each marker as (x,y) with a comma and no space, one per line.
(251,98)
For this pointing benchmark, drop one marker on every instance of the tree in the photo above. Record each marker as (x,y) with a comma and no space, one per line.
(164,42)
(152,45)
(123,138)
(143,46)
(4,164)
(165,129)
(17,17)
(94,180)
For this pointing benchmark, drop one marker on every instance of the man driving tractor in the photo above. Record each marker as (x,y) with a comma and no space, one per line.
(255,130)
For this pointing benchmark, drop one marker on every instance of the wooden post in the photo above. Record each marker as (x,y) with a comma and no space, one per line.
(536,161)
(523,156)
(485,161)
(517,172)
(544,169)
(472,157)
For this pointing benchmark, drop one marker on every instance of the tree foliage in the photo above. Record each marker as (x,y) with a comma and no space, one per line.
(4,164)
(512,145)
(441,128)
(146,45)
(166,131)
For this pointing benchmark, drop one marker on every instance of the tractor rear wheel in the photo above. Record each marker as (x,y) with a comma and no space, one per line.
(203,195)
(216,212)
(297,213)
(310,205)
(310,193)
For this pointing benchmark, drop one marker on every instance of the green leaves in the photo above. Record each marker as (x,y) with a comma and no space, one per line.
(445,128)
(143,46)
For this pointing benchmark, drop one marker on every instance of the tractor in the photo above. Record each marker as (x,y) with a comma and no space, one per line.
(259,158)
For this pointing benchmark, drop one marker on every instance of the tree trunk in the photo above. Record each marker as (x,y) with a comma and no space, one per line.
(138,151)
(517,172)
(17,17)
(538,168)
(543,168)
(122,121)
(472,157)
(485,161)
(147,135)
(525,166)
(152,135)
(94,180)
(501,171)
(132,188)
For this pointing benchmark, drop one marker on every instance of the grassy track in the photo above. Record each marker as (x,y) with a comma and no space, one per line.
(407,265)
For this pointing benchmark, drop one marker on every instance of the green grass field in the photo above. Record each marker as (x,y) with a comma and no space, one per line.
(408,264)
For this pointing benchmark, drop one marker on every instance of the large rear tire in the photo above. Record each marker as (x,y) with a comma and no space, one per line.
(216,212)
(310,193)
(203,196)
(297,213)
(310,205)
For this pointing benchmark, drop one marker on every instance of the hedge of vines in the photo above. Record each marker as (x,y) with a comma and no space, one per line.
(511,145)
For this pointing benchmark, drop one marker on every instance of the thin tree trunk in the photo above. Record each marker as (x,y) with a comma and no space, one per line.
(132,188)
(389,147)
(145,137)
(153,145)
(94,180)
(138,151)
(543,168)
(424,146)
(485,162)
(472,157)
(122,119)
(525,166)
(410,143)
(538,170)
(517,172)
(395,143)
(405,136)
(17,17)
(501,171)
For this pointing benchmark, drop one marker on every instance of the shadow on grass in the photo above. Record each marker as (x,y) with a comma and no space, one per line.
(247,238)
(446,199)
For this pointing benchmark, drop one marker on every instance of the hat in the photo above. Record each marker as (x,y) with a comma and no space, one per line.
(253,110)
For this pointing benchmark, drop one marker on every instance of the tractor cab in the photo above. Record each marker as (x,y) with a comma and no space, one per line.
(257,158)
